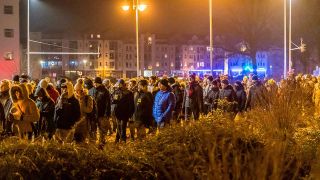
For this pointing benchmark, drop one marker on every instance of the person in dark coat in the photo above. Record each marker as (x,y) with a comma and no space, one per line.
(213,95)
(193,99)
(256,94)
(46,107)
(7,104)
(102,99)
(227,93)
(67,113)
(241,96)
(142,117)
(122,108)
(178,93)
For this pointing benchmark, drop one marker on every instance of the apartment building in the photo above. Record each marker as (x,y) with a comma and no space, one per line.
(9,38)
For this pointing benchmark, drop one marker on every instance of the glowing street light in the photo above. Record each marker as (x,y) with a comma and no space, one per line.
(136,7)
(142,7)
(125,7)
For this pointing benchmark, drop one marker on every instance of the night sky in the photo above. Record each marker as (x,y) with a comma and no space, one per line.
(166,17)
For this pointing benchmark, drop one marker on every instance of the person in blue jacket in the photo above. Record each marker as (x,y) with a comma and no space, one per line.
(164,104)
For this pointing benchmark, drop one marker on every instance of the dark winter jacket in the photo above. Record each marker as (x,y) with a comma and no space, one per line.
(103,101)
(67,110)
(213,97)
(193,96)
(163,106)
(143,107)
(46,107)
(122,104)
(228,94)
(256,95)
(241,100)
(178,93)
(7,104)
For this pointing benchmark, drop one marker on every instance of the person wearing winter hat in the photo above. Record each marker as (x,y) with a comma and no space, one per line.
(67,112)
(227,91)
(16,79)
(102,99)
(193,99)
(164,104)
(122,108)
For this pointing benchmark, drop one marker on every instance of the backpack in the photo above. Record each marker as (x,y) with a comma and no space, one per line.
(92,116)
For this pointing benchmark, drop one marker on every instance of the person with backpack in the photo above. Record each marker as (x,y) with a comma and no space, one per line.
(86,108)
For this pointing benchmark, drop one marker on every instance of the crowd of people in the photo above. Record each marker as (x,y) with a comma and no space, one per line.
(68,111)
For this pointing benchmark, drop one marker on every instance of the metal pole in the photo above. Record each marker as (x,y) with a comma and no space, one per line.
(285,40)
(211,38)
(28,41)
(137,36)
(290,37)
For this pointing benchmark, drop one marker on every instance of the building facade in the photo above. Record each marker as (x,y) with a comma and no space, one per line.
(9,39)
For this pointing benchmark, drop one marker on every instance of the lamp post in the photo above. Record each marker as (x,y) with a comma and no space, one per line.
(285,40)
(28,36)
(290,33)
(136,7)
(84,66)
(211,38)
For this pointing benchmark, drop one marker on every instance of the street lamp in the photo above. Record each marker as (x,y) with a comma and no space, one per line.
(136,7)
(211,38)
(290,33)
(84,65)
(285,39)
(28,41)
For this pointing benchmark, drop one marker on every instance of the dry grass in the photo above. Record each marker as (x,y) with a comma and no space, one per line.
(278,141)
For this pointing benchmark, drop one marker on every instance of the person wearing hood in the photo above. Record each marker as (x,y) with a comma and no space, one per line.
(193,99)
(241,96)
(227,93)
(256,94)
(122,108)
(24,111)
(213,95)
(6,102)
(164,104)
(67,113)
(46,107)
(86,107)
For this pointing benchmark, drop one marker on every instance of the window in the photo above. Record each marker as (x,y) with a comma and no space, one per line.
(8,9)
(8,33)
(111,64)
